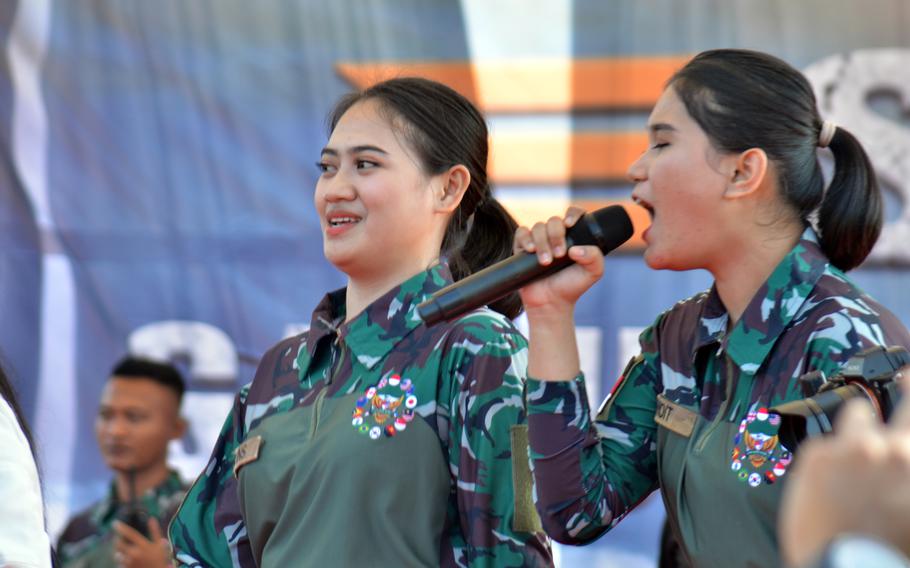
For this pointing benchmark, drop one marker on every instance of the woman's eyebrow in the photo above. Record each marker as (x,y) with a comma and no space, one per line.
(661,127)
(354,150)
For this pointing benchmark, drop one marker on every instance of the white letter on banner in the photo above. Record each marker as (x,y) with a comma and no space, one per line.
(844,86)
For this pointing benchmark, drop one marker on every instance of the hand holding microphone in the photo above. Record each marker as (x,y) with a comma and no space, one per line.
(552,241)
(605,228)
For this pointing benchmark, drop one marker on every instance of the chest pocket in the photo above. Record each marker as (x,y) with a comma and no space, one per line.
(311,485)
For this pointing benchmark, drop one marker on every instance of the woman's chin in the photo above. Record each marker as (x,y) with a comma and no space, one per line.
(342,263)
(661,260)
(654,259)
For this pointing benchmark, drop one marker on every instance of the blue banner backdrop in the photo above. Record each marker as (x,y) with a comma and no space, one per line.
(157,170)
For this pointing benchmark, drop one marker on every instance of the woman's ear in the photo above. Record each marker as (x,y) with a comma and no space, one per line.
(750,169)
(454,184)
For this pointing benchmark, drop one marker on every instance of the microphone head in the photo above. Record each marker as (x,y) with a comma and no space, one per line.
(607,228)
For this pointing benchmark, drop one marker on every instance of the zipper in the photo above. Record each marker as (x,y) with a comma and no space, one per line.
(722,411)
(334,366)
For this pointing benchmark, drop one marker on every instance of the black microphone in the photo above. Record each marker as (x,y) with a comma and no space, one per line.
(607,228)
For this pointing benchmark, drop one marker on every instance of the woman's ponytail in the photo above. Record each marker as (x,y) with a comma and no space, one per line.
(746,99)
(487,240)
(850,216)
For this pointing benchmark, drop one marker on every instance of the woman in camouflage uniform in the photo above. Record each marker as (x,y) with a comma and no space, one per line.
(731,179)
(371,439)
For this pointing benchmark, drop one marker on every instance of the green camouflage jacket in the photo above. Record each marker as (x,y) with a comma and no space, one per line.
(690,414)
(86,542)
(375,442)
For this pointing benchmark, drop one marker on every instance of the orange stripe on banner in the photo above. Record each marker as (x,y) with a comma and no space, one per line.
(544,85)
(623,82)
(540,158)
(528,211)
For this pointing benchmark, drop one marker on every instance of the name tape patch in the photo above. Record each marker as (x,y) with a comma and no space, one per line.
(674,417)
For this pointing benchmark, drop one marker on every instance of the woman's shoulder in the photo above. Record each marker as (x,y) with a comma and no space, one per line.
(277,371)
(683,315)
(486,326)
(288,347)
(838,307)
(835,292)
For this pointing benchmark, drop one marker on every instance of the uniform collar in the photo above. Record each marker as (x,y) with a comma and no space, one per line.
(381,326)
(106,509)
(770,311)
(712,322)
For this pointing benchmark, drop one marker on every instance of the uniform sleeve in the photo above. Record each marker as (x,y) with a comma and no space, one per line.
(589,473)
(487,365)
(208,529)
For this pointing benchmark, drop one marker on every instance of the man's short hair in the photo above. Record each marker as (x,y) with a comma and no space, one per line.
(164,374)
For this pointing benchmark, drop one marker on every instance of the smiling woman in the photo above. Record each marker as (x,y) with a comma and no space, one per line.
(371,439)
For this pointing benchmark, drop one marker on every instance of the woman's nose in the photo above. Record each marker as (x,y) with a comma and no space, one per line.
(638,170)
(340,187)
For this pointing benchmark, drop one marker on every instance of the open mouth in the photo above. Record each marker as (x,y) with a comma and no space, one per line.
(342,220)
(644,204)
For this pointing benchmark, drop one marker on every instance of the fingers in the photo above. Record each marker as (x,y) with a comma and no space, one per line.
(154,530)
(547,239)
(590,257)
(523,241)
(123,552)
(856,418)
(573,214)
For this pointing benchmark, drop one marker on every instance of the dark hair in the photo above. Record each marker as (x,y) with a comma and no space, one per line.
(445,130)
(9,395)
(165,374)
(746,99)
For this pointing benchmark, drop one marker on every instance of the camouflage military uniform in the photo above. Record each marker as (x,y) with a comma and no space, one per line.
(377,442)
(87,540)
(689,414)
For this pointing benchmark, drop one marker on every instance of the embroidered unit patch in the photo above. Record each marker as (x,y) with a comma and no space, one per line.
(758,456)
(385,408)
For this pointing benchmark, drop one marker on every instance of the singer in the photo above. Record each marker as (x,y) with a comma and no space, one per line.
(732,182)
(371,439)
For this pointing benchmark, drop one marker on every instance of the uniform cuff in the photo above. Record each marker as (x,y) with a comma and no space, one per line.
(557,397)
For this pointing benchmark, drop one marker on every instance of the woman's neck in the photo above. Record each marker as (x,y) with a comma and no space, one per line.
(361,294)
(744,269)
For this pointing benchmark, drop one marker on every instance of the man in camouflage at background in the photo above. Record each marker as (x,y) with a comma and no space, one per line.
(139,414)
